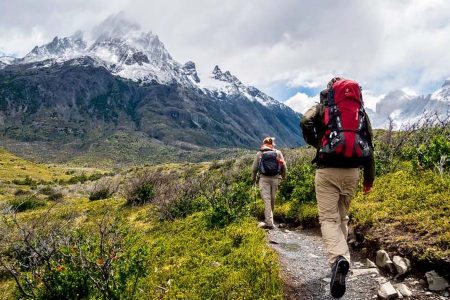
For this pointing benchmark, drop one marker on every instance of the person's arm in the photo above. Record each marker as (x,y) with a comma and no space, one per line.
(311,125)
(255,167)
(282,162)
(369,167)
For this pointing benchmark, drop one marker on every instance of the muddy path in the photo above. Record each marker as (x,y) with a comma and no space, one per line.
(306,274)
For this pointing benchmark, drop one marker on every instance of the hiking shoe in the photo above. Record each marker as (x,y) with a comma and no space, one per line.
(339,271)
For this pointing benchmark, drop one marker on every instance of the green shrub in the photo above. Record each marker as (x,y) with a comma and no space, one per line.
(228,203)
(26,181)
(141,194)
(435,154)
(103,189)
(142,188)
(56,196)
(50,261)
(25,202)
(20,192)
(47,190)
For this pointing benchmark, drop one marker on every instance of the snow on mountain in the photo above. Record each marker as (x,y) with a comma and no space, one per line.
(126,51)
(406,109)
(59,48)
(224,84)
(6,60)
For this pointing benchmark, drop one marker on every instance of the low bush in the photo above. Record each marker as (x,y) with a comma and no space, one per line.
(103,189)
(20,192)
(25,202)
(26,181)
(56,196)
(46,190)
(51,261)
(228,202)
(141,189)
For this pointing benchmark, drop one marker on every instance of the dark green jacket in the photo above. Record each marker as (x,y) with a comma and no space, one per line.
(313,130)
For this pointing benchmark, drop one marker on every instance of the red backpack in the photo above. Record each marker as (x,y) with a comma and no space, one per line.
(345,137)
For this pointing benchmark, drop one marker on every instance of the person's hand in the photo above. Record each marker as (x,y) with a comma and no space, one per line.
(367,188)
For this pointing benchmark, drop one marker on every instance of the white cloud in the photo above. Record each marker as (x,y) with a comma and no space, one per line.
(301,102)
(385,46)
(371,100)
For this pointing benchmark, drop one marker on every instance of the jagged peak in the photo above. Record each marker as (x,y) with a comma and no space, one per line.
(217,70)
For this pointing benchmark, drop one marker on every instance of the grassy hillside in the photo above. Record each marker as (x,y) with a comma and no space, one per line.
(162,232)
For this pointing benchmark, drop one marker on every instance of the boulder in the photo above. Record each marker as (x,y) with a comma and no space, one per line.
(403,289)
(383,261)
(370,264)
(436,282)
(402,265)
(387,292)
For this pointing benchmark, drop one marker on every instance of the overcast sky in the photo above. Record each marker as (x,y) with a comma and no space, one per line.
(287,48)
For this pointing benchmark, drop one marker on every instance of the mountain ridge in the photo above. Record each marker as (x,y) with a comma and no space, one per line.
(69,95)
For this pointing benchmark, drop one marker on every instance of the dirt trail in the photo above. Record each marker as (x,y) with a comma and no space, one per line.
(306,273)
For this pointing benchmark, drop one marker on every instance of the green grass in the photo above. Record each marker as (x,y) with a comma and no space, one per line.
(410,210)
(188,258)
(192,261)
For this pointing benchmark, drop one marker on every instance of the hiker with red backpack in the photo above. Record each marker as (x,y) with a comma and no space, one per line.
(339,128)
(268,168)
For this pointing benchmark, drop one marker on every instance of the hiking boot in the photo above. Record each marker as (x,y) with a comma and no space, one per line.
(339,271)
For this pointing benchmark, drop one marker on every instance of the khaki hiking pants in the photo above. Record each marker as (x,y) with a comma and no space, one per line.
(334,189)
(268,186)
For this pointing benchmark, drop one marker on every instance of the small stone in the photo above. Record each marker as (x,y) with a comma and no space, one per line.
(381,280)
(446,294)
(383,261)
(327,280)
(215,264)
(387,292)
(403,289)
(360,272)
(282,225)
(261,224)
(428,293)
(402,265)
(436,282)
(370,264)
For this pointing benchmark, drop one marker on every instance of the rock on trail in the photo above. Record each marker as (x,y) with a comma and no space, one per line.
(306,273)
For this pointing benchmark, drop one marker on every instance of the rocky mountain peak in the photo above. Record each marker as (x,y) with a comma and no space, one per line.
(58,47)
(217,72)
(226,77)
(189,69)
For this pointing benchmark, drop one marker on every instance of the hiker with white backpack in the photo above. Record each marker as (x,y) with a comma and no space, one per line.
(339,128)
(268,169)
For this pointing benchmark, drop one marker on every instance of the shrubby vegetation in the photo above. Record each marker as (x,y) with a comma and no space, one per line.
(188,233)
(50,261)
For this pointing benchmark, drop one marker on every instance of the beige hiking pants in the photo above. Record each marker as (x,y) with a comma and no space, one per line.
(334,189)
(268,186)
